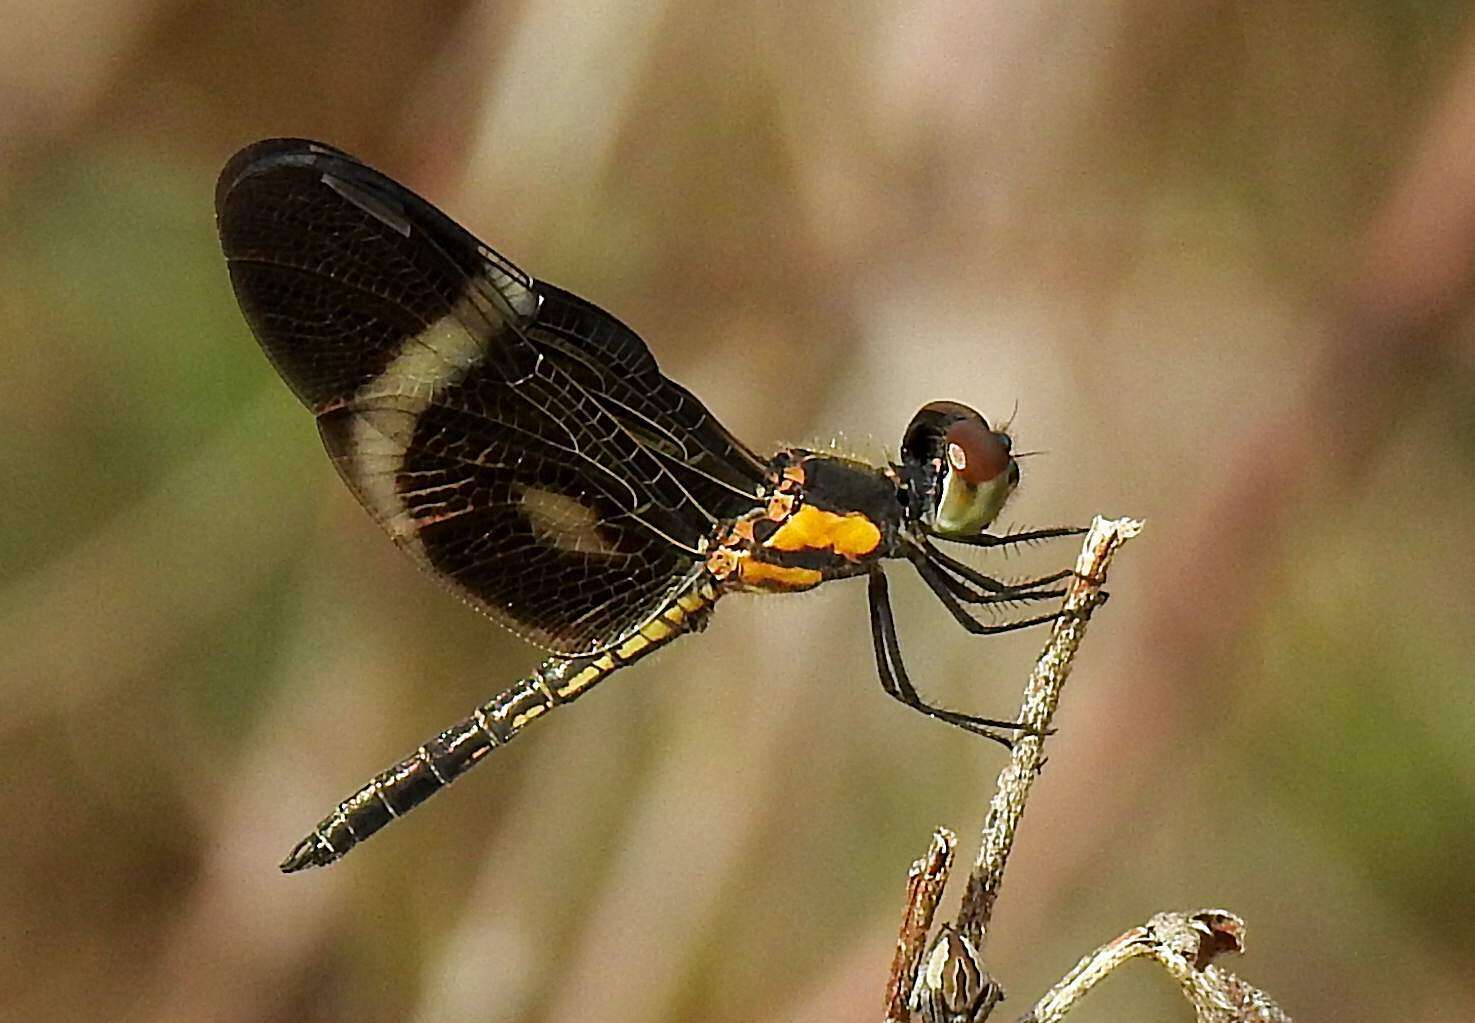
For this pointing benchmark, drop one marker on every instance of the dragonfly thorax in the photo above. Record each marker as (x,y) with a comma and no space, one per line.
(822,517)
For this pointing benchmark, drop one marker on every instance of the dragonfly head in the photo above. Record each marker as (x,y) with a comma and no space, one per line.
(957,470)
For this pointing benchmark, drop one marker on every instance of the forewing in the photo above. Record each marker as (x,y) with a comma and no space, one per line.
(479,416)
(607,358)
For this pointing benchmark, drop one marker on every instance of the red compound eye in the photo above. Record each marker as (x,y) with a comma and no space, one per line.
(975,452)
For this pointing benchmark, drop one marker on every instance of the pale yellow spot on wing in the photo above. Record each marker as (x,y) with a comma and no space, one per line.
(565,522)
(439,357)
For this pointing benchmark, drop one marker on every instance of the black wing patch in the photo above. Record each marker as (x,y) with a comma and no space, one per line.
(515,440)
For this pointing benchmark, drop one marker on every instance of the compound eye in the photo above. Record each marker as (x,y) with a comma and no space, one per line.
(975,452)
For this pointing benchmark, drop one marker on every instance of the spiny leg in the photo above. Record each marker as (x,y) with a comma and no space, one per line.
(958,576)
(969,594)
(1010,539)
(899,686)
(984,582)
(935,582)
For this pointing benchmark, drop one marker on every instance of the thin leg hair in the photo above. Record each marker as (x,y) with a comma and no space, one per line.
(1010,539)
(969,594)
(938,583)
(967,573)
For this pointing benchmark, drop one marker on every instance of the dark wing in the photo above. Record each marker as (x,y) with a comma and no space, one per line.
(514,439)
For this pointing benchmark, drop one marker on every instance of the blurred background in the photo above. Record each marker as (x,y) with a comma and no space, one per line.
(1220,254)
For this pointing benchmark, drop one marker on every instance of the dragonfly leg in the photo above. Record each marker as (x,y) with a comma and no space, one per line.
(966,573)
(938,584)
(968,594)
(1026,536)
(897,684)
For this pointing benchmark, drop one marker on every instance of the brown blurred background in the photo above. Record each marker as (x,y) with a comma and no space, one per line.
(1220,254)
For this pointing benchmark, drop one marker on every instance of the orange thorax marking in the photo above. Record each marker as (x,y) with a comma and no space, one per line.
(763,576)
(810,528)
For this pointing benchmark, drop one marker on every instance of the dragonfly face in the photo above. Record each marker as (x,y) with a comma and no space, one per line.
(522,445)
(959,471)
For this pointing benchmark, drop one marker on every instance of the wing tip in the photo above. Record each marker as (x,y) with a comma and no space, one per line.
(266,154)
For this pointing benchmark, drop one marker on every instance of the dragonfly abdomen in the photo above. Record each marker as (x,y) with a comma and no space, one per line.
(558,680)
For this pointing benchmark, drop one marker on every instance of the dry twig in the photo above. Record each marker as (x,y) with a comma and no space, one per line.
(952,986)
(925,882)
(1041,698)
(1184,944)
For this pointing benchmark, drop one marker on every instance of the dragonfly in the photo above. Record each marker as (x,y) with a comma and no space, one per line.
(522,445)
